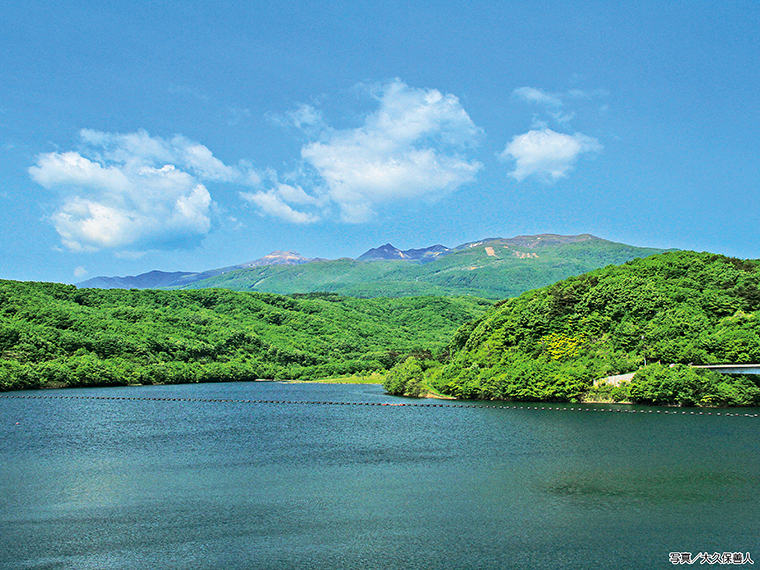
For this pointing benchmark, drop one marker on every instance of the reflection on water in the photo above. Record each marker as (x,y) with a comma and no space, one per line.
(170,484)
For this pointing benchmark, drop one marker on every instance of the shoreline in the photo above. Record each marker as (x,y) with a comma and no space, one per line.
(375,379)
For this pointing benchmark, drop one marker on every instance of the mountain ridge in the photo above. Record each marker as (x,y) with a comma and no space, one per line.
(388,252)
(491,268)
(156,279)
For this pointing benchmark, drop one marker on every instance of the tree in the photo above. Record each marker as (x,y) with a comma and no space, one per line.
(405,379)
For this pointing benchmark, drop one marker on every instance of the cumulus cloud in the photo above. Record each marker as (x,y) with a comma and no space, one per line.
(546,154)
(139,149)
(415,145)
(133,190)
(543,153)
(275,203)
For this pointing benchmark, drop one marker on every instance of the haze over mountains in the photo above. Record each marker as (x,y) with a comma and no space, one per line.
(492,268)
(163,280)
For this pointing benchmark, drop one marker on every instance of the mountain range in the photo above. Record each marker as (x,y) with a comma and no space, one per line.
(179,279)
(388,253)
(491,268)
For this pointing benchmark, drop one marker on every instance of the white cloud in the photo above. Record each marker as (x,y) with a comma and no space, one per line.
(555,104)
(274,204)
(547,155)
(533,95)
(552,102)
(414,146)
(541,152)
(80,272)
(140,148)
(305,116)
(296,195)
(71,168)
(556,100)
(133,190)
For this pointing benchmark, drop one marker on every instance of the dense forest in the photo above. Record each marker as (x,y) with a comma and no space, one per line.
(665,311)
(652,316)
(58,335)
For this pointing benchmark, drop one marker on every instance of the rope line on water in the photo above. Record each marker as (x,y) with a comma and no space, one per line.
(387,404)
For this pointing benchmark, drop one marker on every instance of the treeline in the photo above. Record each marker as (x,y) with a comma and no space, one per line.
(551,344)
(58,335)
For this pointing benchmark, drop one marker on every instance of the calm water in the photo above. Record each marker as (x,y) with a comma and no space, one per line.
(100,484)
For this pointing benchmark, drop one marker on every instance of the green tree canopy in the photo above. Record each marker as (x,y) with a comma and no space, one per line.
(673,308)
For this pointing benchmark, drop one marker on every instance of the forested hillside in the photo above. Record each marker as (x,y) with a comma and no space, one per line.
(552,343)
(58,335)
(492,268)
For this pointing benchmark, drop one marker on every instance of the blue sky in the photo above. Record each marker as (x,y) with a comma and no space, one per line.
(181,135)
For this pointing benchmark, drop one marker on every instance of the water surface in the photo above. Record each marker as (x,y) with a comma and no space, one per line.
(91,483)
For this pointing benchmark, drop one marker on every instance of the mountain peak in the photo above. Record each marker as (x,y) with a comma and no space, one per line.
(533,241)
(388,252)
(462,264)
(278,258)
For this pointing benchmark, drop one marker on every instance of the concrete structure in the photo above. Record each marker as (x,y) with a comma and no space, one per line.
(722,368)
(732,368)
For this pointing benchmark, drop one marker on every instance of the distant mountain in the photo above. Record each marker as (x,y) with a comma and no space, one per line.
(150,280)
(178,279)
(279,258)
(539,241)
(493,268)
(387,253)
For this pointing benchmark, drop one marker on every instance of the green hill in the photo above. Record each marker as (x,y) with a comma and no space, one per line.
(58,335)
(492,269)
(551,344)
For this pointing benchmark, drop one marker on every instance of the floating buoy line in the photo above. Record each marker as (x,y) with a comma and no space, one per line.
(562,408)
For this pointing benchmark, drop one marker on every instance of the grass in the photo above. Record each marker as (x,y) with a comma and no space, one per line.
(374,378)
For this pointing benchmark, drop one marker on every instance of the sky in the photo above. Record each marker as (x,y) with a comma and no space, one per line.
(191,135)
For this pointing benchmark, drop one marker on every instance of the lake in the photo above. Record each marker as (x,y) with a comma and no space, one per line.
(250,475)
